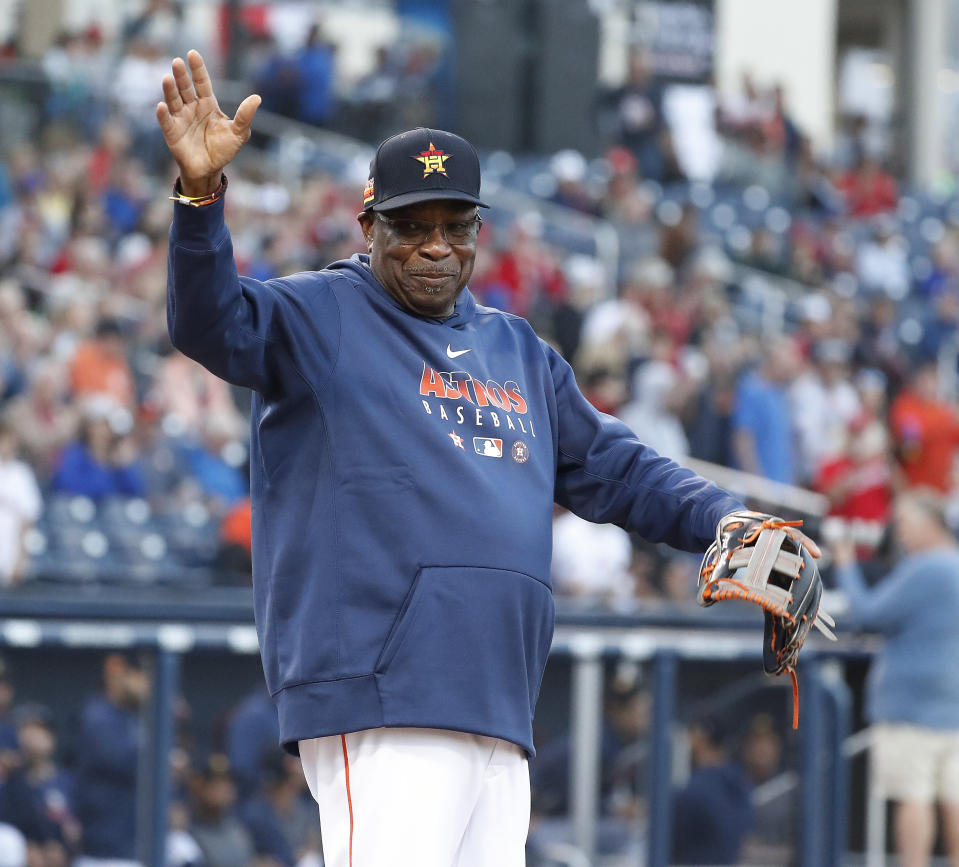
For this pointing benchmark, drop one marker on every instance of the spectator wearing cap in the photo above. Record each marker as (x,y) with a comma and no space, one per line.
(107,749)
(925,431)
(763,434)
(281,822)
(912,691)
(221,836)
(712,812)
(102,462)
(20,506)
(38,797)
(99,366)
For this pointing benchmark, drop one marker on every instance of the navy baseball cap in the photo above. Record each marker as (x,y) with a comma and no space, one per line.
(422,165)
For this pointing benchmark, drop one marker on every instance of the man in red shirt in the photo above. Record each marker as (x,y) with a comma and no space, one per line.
(926,431)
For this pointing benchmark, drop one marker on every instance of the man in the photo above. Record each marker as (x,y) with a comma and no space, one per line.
(401,572)
(712,812)
(763,435)
(926,430)
(37,798)
(913,687)
(107,748)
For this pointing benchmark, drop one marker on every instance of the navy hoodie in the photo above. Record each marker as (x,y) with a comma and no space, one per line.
(403,474)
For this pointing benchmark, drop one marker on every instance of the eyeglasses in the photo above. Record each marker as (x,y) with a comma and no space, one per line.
(459,234)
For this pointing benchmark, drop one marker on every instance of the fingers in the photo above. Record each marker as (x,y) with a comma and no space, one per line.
(201,78)
(184,84)
(171,95)
(244,114)
(164,118)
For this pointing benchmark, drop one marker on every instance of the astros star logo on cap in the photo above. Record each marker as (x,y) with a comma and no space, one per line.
(433,161)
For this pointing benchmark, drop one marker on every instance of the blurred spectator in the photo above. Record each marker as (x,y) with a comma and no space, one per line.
(315,62)
(9,741)
(222,838)
(191,394)
(712,812)
(107,749)
(20,506)
(283,824)
(100,366)
(253,734)
(591,561)
(623,752)
(761,754)
(824,404)
(526,269)
(926,431)
(219,480)
(940,324)
(617,331)
(882,263)
(103,462)
(569,168)
(710,408)
(858,482)
(868,188)
(277,80)
(632,116)
(38,797)
(913,687)
(763,433)
(44,418)
(659,394)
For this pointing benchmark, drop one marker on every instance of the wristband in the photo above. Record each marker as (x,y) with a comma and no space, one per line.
(198,201)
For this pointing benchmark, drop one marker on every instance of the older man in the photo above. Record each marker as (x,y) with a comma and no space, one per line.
(407,448)
(913,689)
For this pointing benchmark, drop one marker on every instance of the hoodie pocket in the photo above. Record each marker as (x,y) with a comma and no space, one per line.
(468,651)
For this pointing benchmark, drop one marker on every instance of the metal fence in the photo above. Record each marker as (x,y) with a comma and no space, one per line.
(585,643)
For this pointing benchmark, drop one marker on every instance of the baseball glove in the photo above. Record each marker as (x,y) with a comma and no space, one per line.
(756,558)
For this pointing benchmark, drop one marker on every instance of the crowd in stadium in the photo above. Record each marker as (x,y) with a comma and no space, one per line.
(133,457)
(845,400)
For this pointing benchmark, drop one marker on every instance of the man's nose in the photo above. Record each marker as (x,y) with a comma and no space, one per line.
(436,246)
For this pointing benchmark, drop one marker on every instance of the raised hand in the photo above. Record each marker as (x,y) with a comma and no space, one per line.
(200,136)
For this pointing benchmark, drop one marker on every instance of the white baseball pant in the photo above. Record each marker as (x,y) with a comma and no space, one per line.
(410,797)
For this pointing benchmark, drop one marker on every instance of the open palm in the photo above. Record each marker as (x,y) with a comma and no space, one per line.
(201,138)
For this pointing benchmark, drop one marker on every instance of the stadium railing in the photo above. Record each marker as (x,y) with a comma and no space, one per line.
(586,642)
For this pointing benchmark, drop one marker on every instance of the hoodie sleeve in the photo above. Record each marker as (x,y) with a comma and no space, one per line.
(245,331)
(606,475)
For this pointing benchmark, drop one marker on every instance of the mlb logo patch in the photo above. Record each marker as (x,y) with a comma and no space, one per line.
(488,447)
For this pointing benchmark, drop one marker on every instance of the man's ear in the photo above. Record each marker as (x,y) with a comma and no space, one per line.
(365,219)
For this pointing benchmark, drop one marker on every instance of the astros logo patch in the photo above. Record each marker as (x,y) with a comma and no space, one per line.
(368,193)
(520,452)
(433,161)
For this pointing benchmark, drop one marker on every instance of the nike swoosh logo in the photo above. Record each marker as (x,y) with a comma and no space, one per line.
(450,353)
